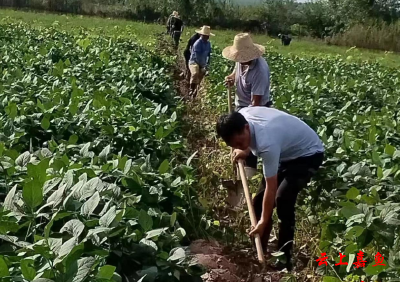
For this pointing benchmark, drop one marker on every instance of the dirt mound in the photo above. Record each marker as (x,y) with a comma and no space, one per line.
(205,247)
(215,262)
(220,275)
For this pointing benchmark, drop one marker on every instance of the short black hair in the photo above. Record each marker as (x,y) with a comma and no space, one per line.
(230,125)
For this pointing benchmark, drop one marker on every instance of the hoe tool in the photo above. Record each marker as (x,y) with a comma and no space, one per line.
(239,189)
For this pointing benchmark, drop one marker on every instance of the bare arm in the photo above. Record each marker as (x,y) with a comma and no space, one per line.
(267,206)
(256,100)
(269,197)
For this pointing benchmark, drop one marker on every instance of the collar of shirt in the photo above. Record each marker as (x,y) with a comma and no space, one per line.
(253,64)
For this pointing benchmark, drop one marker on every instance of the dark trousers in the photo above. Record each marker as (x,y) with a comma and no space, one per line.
(251,160)
(293,176)
(176,36)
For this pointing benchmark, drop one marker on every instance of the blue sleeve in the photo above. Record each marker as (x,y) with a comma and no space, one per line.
(197,46)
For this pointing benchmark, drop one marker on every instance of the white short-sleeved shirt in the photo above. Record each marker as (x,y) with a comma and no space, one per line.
(253,81)
(278,137)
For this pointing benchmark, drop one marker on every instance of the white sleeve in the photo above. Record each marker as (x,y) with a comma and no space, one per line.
(270,159)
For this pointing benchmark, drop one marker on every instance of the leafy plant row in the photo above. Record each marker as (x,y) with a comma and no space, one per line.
(354,109)
(95,179)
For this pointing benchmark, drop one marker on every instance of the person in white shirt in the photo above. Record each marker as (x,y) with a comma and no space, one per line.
(252,79)
(291,153)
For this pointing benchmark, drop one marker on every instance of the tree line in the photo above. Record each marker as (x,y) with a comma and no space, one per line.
(330,19)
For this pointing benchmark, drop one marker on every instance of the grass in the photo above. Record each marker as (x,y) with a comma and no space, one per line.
(145,34)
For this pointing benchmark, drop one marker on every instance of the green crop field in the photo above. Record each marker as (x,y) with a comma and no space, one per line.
(144,33)
(107,173)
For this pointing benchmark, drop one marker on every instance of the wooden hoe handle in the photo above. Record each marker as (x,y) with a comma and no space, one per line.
(249,202)
(252,214)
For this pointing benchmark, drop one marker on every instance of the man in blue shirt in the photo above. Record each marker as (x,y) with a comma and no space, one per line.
(199,59)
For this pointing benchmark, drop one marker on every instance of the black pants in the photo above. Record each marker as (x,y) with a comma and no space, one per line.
(176,36)
(293,176)
(251,160)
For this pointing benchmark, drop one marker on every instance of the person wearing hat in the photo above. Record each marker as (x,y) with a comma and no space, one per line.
(252,78)
(188,51)
(291,153)
(199,59)
(176,29)
(169,21)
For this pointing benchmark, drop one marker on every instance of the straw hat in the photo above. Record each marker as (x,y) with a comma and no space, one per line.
(243,49)
(175,13)
(205,30)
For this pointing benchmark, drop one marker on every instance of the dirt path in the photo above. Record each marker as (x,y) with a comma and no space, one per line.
(233,260)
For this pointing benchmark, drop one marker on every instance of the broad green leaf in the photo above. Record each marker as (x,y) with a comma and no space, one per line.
(159,133)
(32,193)
(57,196)
(106,272)
(172,219)
(45,123)
(127,167)
(351,260)
(178,254)
(46,153)
(350,211)
(372,135)
(108,217)
(173,117)
(377,269)
(73,139)
(67,247)
(38,171)
(180,232)
(191,158)
(84,152)
(390,150)
(353,193)
(23,159)
(74,227)
(149,243)
(104,153)
(4,272)
(145,220)
(376,158)
(89,188)
(68,179)
(164,166)
(57,216)
(12,110)
(27,269)
(155,232)
(9,200)
(50,184)
(157,110)
(90,205)
(355,231)
(84,268)
(54,244)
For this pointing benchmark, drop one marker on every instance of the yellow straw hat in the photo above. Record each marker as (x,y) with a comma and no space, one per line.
(243,49)
(205,30)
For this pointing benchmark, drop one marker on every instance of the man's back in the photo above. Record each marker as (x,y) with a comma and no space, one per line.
(200,52)
(177,24)
(255,80)
(280,136)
